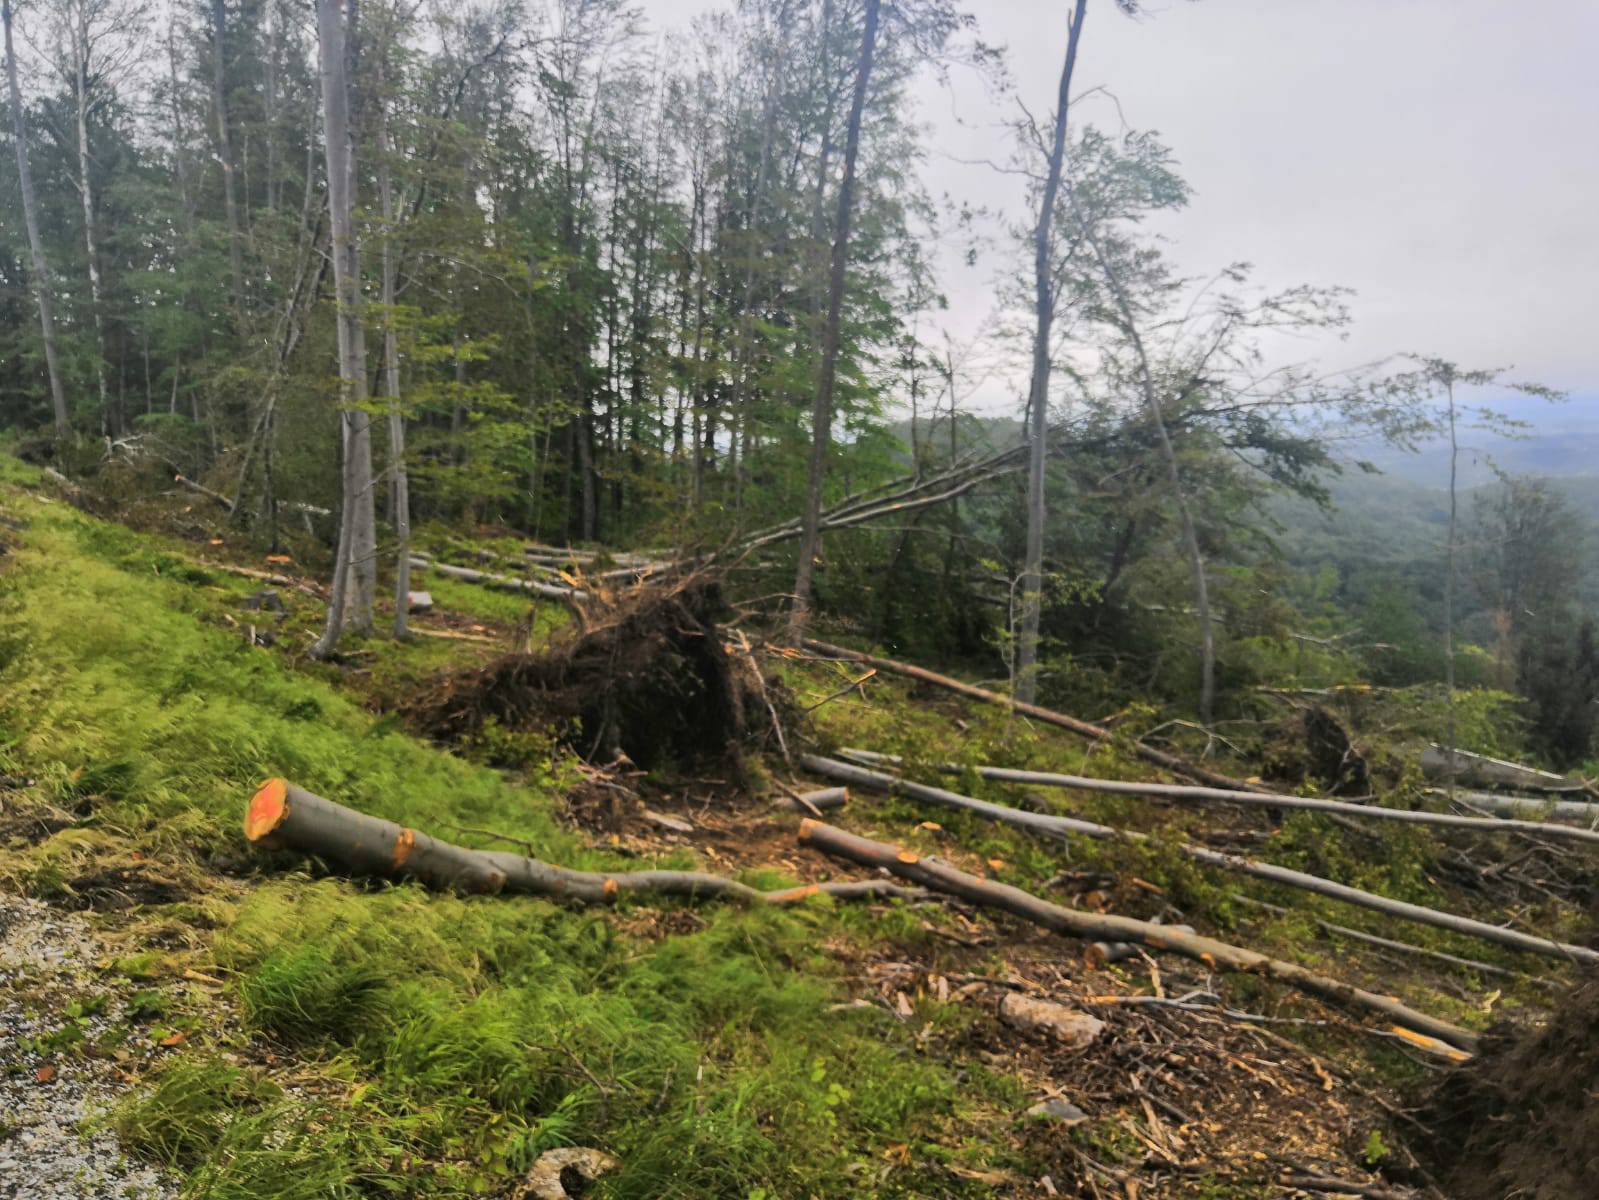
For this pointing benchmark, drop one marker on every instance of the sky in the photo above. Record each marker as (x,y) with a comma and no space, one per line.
(1439,157)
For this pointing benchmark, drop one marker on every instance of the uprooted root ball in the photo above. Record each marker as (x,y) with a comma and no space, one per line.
(1521,1119)
(645,674)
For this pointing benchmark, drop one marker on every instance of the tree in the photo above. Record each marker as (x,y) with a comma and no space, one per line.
(822,408)
(350,603)
(42,284)
(1038,389)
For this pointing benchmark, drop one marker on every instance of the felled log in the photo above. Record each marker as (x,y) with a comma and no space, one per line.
(1532,807)
(821,798)
(1103,927)
(1371,939)
(1478,770)
(282,816)
(1087,729)
(493,579)
(1050,825)
(1178,791)
(200,489)
(70,492)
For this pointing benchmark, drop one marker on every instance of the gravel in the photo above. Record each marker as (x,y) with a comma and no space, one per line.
(46,960)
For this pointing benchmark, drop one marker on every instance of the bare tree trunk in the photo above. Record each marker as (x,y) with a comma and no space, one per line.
(822,409)
(42,283)
(391,383)
(1157,418)
(1449,588)
(219,32)
(80,98)
(355,425)
(1038,393)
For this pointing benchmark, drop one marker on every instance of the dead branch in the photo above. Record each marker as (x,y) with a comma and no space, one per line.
(941,877)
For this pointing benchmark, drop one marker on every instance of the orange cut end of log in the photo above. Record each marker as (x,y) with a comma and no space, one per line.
(610,888)
(805,828)
(908,856)
(268,808)
(402,847)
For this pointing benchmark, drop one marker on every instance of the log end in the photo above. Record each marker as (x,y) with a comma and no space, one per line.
(269,807)
(806,827)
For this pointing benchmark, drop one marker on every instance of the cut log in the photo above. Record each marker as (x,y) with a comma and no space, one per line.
(1087,729)
(283,816)
(1371,939)
(1050,825)
(1178,791)
(1073,1029)
(1533,808)
(1103,927)
(492,579)
(1478,770)
(820,799)
(70,492)
(418,602)
(201,490)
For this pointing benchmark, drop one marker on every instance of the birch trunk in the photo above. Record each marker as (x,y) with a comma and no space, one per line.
(1038,393)
(822,409)
(219,36)
(42,283)
(391,385)
(80,105)
(355,425)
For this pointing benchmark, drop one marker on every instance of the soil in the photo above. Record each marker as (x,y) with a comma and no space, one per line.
(1522,1119)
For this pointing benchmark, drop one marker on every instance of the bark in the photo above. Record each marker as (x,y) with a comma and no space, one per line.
(282,816)
(391,383)
(1049,825)
(1087,729)
(348,605)
(822,409)
(491,579)
(821,798)
(1478,770)
(80,105)
(230,200)
(43,285)
(1038,393)
(1531,808)
(1097,927)
(1175,791)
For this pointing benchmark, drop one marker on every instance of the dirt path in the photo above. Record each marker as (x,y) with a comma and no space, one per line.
(47,1094)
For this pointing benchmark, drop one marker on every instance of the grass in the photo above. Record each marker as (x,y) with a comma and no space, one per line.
(383,1040)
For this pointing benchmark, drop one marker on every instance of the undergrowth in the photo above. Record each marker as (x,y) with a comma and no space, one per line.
(383,1040)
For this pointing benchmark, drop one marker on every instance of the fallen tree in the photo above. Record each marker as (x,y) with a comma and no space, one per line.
(1177,791)
(1087,729)
(1050,825)
(1531,807)
(1481,771)
(533,587)
(645,674)
(282,816)
(1101,927)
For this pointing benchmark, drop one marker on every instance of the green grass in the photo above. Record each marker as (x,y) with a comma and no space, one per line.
(378,1040)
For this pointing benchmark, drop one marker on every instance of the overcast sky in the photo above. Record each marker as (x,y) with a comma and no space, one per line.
(1440,157)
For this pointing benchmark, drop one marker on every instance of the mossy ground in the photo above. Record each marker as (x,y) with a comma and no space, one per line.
(344,1039)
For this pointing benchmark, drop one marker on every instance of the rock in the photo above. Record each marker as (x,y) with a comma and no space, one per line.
(1073,1029)
(563,1173)
(419,602)
(1054,1109)
(266,600)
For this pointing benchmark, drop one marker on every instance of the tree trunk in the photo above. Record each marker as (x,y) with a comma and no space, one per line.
(1096,927)
(822,409)
(1049,825)
(391,380)
(1177,791)
(42,283)
(80,104)
(355,425)
(1038,392)
(1087,729)
(230,201)
(283,816)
